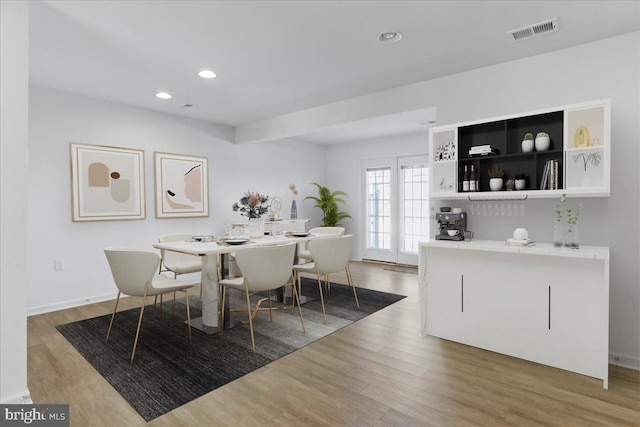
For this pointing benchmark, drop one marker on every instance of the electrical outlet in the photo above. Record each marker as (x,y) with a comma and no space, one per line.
(58,264)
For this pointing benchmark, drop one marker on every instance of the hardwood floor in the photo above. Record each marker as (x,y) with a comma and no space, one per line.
(378,371)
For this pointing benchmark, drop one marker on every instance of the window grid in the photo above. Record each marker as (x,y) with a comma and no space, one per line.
(416,206)
(379,208)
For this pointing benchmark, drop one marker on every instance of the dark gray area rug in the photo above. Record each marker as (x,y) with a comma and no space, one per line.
(168,372)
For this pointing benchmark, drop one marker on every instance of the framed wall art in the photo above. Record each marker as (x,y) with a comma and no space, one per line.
(107,183)
(182,185)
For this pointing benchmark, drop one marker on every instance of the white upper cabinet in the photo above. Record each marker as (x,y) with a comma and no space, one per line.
(569,153)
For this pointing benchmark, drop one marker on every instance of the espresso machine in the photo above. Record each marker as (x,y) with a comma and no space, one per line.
(452,225)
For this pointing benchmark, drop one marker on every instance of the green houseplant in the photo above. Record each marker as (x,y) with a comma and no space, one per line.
(328,200)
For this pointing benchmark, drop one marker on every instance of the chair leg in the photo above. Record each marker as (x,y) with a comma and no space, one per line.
(293,282)
(350,280)
(297,297)
(173,310)
(326,285)
(161,311)
(253,341)
(186,295)
(270,308)
(324,313)
(135,342)
(113,316)
(224,296)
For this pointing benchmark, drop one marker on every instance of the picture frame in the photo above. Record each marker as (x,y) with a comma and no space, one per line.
(181,185)
(107,183)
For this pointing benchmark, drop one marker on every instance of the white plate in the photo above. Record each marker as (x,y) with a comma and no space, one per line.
(236,241)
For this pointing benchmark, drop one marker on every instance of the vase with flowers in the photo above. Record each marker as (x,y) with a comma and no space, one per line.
(253,205)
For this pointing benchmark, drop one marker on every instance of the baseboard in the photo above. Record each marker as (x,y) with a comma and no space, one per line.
(22,398)
(624,361)
(71,303)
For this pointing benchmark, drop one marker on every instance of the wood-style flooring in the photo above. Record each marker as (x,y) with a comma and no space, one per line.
(378,371)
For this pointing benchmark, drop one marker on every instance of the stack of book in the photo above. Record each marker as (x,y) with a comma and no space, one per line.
(483,150)
(550,176)
(517,242)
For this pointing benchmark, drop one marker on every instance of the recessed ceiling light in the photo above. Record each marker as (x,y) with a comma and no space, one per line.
(163,95)
(207,74)
(390,37)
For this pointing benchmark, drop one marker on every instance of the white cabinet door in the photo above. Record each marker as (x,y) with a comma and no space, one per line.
(505,302)
(445,311)
(578,320)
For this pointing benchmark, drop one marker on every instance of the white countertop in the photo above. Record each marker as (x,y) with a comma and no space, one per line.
(591,252)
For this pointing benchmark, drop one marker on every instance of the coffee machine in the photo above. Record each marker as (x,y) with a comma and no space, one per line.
(452,225)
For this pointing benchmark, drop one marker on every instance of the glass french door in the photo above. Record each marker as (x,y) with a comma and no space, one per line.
(397,208)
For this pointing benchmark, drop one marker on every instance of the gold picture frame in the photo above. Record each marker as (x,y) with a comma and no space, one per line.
(181,185)
(107,183)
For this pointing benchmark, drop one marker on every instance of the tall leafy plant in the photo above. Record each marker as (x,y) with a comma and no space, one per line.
(328,200)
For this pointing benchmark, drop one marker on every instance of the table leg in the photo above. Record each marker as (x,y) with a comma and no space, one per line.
(209,321)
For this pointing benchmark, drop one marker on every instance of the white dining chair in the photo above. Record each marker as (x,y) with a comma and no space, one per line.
(330,255)
(263,268)
(176,262)
(320,232)
(136,274)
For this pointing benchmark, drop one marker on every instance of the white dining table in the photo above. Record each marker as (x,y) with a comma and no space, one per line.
(209,253)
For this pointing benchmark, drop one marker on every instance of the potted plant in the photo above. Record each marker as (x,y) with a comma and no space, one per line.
(521,181)
(495,182)
(327,201)
(511,183)
(542,141)
(527,143)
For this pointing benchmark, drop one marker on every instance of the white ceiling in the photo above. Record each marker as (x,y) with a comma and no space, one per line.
(278,57)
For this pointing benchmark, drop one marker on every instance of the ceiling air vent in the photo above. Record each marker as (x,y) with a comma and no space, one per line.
(533,30)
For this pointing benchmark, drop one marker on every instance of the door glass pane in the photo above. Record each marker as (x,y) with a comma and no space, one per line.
(416,202)
(379,208)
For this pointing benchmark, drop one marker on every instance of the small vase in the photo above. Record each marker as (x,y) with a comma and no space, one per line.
(558,234)
(294,209)
(256,228)
(573,237)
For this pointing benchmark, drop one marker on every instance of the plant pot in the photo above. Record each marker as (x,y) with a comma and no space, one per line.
(542,143)
(521,184)
(527,145)
(495,184)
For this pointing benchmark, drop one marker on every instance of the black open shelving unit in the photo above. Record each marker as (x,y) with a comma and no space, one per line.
(507,136)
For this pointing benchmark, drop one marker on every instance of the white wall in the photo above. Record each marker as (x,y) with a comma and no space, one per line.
(604,69)
(14,88)
(57,118)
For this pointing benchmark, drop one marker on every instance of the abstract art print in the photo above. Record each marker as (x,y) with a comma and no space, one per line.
(107,183)
(181,186)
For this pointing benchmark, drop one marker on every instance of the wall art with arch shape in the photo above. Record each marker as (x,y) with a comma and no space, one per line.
(107,183)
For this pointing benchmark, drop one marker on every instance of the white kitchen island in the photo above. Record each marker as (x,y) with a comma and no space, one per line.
(540,303)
